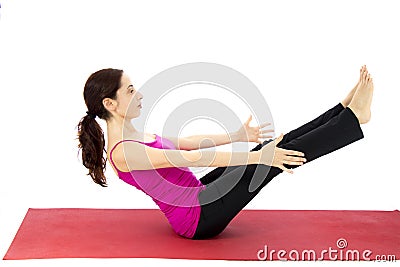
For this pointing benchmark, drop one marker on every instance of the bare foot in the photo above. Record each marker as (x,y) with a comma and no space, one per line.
(371,95)
(361,102)
(345,102)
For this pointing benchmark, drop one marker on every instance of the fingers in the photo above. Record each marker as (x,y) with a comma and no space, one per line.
(292,162)
(266,136)
(264,124)
(286,169)
(292,152)
(248,120)
(267,131)
(278,139)
(295,159)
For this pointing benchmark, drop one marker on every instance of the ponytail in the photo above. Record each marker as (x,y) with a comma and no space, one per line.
(91,141)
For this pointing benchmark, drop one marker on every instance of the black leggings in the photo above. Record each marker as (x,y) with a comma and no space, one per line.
(229,189)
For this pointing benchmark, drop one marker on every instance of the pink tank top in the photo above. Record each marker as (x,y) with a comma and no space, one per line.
(175,189)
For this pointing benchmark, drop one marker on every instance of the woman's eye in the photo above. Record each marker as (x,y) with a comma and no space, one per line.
(132,90)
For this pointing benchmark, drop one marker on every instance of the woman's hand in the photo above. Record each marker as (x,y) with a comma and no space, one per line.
(279,156)
(246,133)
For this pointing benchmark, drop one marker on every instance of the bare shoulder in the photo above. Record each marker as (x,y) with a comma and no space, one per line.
(128,156)
(119,154)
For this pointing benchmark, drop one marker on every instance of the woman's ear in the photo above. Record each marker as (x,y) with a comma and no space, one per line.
(109,104)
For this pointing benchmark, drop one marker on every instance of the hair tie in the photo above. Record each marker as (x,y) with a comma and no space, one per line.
(91,115)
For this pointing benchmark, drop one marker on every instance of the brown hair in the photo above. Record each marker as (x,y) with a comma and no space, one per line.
(101,84)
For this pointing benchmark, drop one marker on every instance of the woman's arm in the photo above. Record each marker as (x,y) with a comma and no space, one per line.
(245,133)
(141,157)
(206,140)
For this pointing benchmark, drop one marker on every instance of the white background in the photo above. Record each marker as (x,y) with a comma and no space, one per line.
(304,56)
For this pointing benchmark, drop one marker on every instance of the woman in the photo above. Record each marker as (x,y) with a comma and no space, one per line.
(202,208)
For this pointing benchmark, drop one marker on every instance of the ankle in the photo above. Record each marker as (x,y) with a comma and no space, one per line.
(355,110)
(362,115)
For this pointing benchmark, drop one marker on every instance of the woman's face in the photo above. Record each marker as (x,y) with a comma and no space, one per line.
(128,99)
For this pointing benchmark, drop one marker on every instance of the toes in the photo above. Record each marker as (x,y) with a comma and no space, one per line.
(361,74)
(365,75)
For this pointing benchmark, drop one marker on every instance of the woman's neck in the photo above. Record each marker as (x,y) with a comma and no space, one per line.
(119,130)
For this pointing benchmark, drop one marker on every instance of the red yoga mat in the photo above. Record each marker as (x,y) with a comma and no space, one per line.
(252,235)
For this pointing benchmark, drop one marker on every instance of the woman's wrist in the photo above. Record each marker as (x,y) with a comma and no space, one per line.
(255,157)
(234,136)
